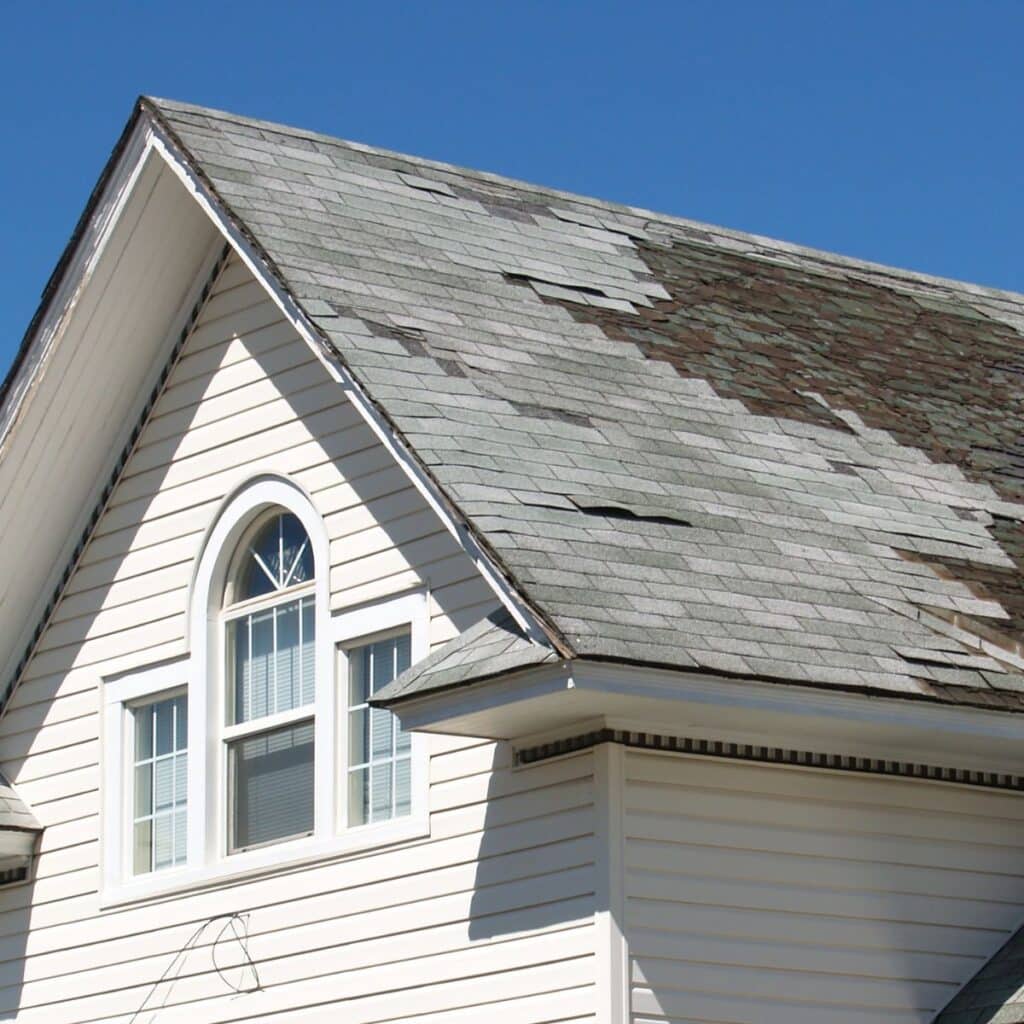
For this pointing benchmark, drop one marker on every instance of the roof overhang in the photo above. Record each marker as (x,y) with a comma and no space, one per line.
(87,366)
(569,697)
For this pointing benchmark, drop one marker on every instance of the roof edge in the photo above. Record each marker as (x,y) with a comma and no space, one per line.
(825,257)
(66,257)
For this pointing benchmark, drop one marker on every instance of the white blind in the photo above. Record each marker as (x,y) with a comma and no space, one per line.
(272,785)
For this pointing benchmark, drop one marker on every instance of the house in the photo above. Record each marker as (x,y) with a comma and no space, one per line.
(438,599)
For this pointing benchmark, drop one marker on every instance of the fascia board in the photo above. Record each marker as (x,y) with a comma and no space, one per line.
(81,262)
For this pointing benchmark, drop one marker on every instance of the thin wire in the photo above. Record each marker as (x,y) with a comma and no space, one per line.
(230,921)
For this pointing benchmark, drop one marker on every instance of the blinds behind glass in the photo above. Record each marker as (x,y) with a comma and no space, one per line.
(272,785)
(273,659)
(160,777)
(380,752)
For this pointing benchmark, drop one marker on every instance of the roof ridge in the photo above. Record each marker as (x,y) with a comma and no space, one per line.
(826,257)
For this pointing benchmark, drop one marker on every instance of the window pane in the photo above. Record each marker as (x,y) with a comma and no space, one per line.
(307,656)
(163,842)
(160,781)
(297,565)
(383,664)
(143,847)
(359,737)
(144,733)
(403,786)
(381,733)
(272,786)
(181,723)
(181,780)
(385,788)
(164,714)
(180,837)
(143,790)
(163,788)
(359,663)
(358,796)
(261,656)
(279,556)
(272,652)
(380,791)
(286,664)
(403,740)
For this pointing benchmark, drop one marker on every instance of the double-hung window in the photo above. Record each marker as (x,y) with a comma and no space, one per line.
(270,642)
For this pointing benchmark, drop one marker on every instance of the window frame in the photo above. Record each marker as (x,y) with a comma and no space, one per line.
(123,693)
(203,673)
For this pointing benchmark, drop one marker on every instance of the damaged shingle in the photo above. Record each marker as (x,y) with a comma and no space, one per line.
(547,412)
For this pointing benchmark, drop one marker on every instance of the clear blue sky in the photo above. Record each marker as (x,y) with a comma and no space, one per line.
(890,131)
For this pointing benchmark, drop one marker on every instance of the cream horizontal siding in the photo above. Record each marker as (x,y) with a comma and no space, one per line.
(494,908)
(758,894)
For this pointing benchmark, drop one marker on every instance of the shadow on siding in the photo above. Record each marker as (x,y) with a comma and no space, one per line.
(15,921)
(535,867)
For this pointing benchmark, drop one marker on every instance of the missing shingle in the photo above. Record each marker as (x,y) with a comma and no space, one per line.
(520,210)
(546,412)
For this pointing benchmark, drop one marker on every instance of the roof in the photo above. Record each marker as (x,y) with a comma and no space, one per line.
(994,995)
(15,815)
(494,646)
(686,446)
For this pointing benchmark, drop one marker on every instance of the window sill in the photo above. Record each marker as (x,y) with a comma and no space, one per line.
(294,854)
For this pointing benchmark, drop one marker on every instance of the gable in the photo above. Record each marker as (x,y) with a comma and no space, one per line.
(245,397)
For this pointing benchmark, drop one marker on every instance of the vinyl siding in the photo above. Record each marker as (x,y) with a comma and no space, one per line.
(765,895)
(495,907)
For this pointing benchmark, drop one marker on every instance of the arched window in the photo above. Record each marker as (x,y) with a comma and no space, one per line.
(260,746)
(269,623)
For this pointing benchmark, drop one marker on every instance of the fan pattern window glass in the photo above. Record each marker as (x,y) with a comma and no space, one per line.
(380,751)
(270,625)
(160,776)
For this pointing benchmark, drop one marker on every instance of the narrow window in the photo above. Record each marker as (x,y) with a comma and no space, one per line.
(270,634)
(380,752)
(159,783)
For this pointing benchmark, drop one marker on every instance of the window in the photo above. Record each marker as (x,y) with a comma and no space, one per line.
(159,784)
(258,748)
(270,642)
(379,751)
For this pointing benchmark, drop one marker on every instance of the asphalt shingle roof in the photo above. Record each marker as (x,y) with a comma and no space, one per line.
(494,646)
(14,813)
(686,446)
(995,994)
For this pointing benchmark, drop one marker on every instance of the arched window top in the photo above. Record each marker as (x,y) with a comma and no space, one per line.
(276,555)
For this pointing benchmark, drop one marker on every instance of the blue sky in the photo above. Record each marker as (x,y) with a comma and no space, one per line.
(889,131)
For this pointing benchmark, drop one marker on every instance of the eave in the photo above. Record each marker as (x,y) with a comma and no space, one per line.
(567,698)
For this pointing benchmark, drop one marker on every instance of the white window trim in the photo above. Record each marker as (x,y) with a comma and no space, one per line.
(120,694)
(208,861)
